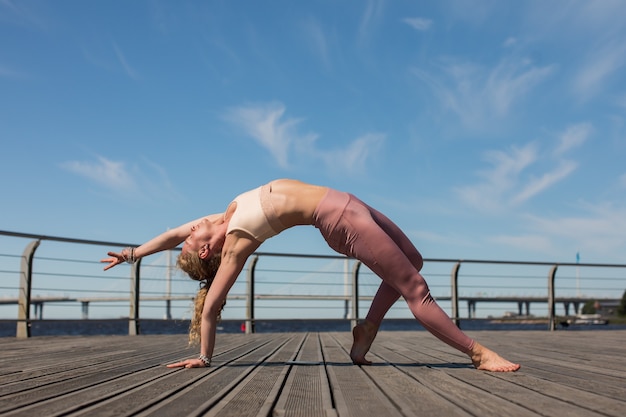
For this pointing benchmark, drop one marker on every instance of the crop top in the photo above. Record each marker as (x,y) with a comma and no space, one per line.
(255,214)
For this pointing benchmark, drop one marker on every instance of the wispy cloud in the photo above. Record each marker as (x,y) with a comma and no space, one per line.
(264,123)
(473,11)
(22,13)
(318,40)
(8,4)
(510,41)
(597,28)
(601,230)
(599,67)
(621,101)
(545,181)
(371,16)
(512,179)
(111,58)
(355,157)
(145,180)
(594,33)
(130,71)
(528,242)
(418,23)
(6,72)
(500,180)
(477,94)
(586,22)
(451,239)
(510,81)
(573,137)
(267,125)
(109,174)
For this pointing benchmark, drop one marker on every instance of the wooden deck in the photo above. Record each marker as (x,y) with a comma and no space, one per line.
(567,373)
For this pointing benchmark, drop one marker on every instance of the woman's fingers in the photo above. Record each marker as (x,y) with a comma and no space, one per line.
(177,364)
(115,259)
(189,363)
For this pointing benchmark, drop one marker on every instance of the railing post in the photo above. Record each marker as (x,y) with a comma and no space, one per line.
(134,327)
(26,280)
(551,296)
(250,304)
(85,310)
(454,293)
(355,293)
(38,310)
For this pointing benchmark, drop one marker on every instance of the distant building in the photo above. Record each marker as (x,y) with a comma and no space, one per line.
(606,308)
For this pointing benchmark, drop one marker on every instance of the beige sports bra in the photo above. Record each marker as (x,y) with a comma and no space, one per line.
(255,214)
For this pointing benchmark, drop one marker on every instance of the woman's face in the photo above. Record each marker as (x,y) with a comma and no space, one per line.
(200,235)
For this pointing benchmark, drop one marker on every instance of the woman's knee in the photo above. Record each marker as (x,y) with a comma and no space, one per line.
(411,285)
(418,262)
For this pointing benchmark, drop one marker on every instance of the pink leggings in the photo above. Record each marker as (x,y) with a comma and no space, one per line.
(354,229)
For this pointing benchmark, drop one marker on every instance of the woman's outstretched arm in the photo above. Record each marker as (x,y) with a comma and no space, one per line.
(167,240)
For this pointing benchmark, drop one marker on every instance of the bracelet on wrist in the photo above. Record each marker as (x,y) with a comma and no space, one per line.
(129,255)
(206,360)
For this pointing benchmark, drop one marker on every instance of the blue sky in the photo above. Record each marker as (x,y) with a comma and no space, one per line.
(485,129)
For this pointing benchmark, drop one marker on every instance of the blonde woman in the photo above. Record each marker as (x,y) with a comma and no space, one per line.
(216,248)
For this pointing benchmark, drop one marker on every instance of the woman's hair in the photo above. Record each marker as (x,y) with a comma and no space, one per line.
(204,271)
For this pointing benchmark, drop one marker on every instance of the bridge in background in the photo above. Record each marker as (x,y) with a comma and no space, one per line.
(523,302)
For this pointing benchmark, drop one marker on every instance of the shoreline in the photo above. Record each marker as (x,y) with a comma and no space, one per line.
(88,327)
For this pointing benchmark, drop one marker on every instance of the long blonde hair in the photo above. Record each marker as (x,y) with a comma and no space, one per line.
(204,271)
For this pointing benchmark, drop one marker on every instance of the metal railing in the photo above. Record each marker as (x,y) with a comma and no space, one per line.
(25,301)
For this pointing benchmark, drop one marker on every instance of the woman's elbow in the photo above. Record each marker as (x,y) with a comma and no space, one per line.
(211,310)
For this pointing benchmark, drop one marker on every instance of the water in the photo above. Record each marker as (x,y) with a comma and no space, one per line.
(155,326)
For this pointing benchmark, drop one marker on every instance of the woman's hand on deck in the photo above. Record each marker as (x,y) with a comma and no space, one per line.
(189,363)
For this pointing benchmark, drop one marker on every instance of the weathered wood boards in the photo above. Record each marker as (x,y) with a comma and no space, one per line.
(575,373)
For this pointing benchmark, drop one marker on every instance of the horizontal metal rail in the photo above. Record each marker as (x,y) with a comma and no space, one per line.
(24,299)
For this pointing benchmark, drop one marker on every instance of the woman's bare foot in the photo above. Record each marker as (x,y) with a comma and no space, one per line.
(363,335)
(488,360)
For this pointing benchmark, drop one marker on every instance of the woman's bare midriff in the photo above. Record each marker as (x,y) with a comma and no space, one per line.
(295,201)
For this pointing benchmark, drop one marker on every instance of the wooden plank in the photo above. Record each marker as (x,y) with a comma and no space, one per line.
(354,394)
(307,390)
(256,394)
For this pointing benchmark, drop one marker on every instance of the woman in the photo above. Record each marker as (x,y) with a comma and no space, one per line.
(216,249)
